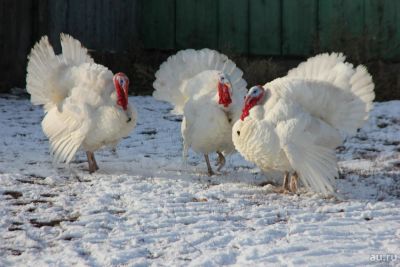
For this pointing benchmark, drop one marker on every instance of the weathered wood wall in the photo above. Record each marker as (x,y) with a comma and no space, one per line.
(105,25)
(101,25)
(275,27)
(136,35)
(15,40)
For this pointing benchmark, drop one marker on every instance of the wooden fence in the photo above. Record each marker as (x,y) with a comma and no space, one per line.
(101,25)
(370,28)
(275,27)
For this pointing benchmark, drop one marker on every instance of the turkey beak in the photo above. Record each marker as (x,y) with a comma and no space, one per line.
(129,116)
(229,88)
(246,100)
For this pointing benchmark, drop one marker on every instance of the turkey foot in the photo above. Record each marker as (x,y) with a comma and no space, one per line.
(210,171)
(114,151)
(285,186)
(92,162)
(221,161)
(293,182)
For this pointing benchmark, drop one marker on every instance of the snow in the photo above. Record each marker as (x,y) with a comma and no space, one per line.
(146,208)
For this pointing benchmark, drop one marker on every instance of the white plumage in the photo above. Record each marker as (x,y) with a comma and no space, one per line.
(85,104)
(294,123)
(208,89)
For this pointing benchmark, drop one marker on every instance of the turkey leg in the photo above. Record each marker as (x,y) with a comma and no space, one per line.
(95,163)
(221,161)
(285,185)
(92,162)
(293,182)
(210,171)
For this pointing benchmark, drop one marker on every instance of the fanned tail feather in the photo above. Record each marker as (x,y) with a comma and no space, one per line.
(333,69)
(45,69)
(73,53)
(185,65)
(41,66)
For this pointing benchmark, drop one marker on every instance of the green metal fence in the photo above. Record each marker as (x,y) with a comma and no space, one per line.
(274,27)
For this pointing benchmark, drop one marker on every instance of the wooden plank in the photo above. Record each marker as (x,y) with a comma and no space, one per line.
(15,42)
(103,25)
(299,19)
(40,25)
(233,26)
(112,24)
(382,28)
(158,24)
(341,26)
(79,16)
(265,27)
(57,12)
(75,18)
(127,33)
(196,24)
(94,23)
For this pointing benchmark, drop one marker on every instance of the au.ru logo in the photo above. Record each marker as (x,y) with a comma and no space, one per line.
(384,257)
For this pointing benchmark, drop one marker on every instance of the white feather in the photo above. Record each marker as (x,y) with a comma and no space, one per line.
(206,128)
(79,99)
(298,125)
(189,81)
(315,164)
(73,53)
(43,67)
(332,69)
(185,65)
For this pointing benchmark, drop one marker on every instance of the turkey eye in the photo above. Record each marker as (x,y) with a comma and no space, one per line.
(238,133)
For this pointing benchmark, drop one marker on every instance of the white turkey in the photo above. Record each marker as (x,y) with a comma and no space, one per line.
(86,106)
(207,88)
(294,123)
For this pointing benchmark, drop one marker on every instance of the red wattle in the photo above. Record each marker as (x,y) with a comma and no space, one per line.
(224,95)
(122,102)
(122,96)
(249,103)
(245,113)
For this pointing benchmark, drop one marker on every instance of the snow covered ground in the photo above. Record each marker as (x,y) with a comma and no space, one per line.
(145,208)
